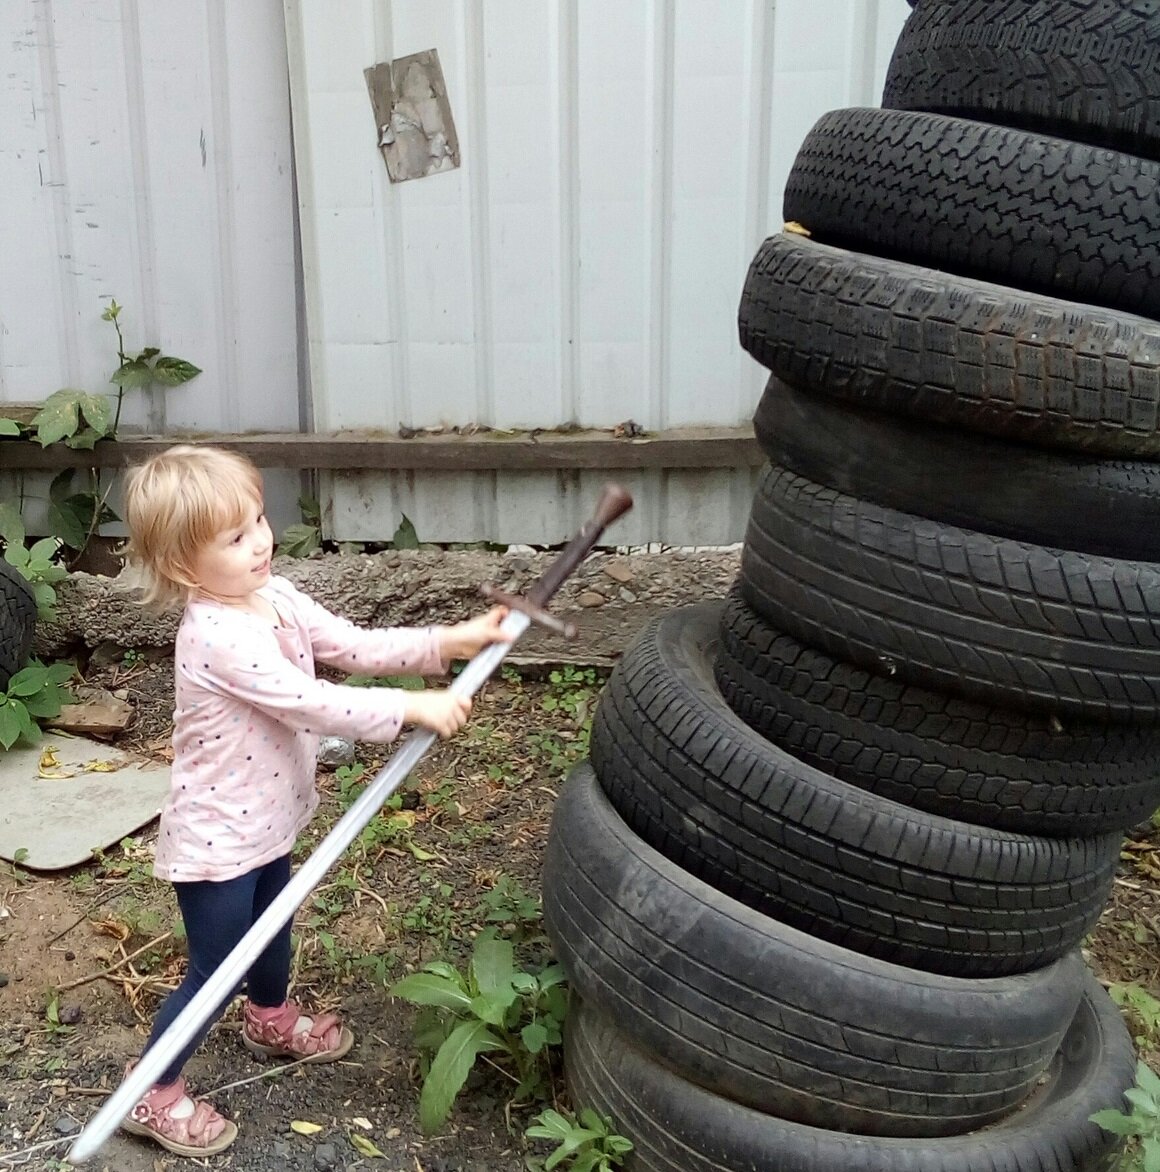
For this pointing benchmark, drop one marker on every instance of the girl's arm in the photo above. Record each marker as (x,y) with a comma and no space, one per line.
(248,666)
(386,650)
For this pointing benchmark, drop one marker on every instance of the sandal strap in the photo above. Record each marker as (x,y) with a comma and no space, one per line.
(155,1110)
(279,1029)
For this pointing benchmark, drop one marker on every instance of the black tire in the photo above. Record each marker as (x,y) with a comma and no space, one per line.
(715,797)
(773,1017)
(997,621)
(1021,209)
(952,350)
(17,622)
(954,758)
(1005,489)
(677,1127)
(1082,69)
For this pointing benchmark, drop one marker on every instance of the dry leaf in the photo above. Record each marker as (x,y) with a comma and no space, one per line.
(365,1146)
(796,229)
(363,1122)
(100,766)
(304,1128)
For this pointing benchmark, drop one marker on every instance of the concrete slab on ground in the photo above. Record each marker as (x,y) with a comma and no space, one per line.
(56,811)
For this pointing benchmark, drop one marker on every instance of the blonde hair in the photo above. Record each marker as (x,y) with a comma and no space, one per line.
(175,504)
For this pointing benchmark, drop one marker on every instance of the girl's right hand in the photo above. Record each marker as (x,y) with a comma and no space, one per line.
(443,712)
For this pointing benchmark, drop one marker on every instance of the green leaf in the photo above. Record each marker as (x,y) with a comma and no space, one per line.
(11,524)
(9,427)
(147,353)
(58,417)
(44,550)
(133,374)
(1114,1121)
(449,1071)
(405,536)
(493,967)
(534,1037)
(550,1125)
(1147,1080)
(28,680)
(1144,1103)
(68,524)
(111,313)
(428,989)
(174,371)
(298,540)
(1151,1147)
(10,725)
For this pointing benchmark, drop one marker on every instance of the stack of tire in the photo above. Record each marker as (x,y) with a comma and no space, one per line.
(821,888)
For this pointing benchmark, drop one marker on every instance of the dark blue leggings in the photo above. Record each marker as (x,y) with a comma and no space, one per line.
(217,916)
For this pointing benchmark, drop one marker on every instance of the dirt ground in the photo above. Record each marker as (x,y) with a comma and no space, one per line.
(86,955)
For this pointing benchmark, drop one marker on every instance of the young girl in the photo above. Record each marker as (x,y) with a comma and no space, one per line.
(245,733)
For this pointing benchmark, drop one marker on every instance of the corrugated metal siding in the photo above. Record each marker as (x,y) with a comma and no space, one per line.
(146,156)
(621,163)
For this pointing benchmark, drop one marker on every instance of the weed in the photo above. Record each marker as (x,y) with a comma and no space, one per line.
(587,1144)
(36,692)
(301,540)
(432,915)
(1142,1010)
(1141,1126)
(492,1008)
(513,911)
(53,1026)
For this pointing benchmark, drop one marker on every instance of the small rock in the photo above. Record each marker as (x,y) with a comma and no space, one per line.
(325,1156)
(280,1150)
(66,1125)
(627,595)
(409,800)
(335,751)
(71,1014)
(3,980)
(590,598)
(121,693)
(618,572)
(70,955)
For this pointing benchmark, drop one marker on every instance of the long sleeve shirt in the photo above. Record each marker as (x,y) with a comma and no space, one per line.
(248,715)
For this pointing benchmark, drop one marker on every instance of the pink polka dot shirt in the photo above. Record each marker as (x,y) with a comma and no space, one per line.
(248,715)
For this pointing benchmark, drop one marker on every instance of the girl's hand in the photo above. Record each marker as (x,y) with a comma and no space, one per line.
(442,711)
(464,640)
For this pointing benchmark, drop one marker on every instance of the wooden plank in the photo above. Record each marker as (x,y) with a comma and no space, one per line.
(698,447)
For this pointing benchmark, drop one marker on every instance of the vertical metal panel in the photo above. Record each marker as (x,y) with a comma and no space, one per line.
(146,157)
(621,163)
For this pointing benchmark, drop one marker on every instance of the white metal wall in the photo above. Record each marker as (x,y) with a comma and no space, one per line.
(145,155)
(622,160)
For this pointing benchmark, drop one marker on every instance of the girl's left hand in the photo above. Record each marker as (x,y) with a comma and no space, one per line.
(464,640)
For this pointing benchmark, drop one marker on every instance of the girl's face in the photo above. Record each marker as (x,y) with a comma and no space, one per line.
(236,562)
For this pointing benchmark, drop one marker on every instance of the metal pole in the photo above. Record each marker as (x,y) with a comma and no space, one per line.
(230,972)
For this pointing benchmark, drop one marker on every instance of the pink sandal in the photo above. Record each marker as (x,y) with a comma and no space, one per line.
(284,1031)
(198,1131)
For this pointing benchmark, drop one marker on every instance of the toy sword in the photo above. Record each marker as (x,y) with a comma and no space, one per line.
(614,502)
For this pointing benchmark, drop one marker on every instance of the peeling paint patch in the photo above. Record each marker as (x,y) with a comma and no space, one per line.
(416,132)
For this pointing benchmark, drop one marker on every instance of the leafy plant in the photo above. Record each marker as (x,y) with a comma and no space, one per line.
(516,913)
(33,562)
(35,692)
(492,1008)
(585,1145)
(78,419)
(1142,1009)
(1141,1127)
(302,539)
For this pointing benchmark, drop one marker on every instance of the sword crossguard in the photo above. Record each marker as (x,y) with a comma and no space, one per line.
(537,614)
